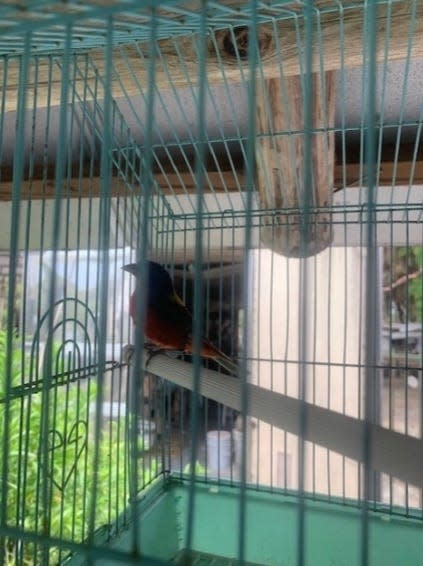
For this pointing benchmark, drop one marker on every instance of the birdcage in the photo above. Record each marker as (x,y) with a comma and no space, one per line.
(267,155)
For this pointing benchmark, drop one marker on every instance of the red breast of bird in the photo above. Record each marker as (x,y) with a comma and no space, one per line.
(168,323)
(169,326)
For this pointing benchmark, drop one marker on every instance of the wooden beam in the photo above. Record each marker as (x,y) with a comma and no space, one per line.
(177,65)
(390,174)
(169,184)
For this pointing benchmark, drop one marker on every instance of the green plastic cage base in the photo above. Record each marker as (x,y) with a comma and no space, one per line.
(193,558)
(332,530)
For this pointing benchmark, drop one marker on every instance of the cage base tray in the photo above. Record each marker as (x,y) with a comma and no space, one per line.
(195,558)
(333,529)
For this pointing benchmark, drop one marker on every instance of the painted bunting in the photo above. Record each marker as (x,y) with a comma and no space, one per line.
(168,324)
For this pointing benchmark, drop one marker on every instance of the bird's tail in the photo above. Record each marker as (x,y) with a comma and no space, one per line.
(213,353)
(226,363)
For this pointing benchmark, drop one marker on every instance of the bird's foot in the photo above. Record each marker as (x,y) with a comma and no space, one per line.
(128,352)
(152,351)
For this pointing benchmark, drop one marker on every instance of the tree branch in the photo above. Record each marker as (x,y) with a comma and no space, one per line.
(402,280)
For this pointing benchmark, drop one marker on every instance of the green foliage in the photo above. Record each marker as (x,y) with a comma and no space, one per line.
(55,474)
(403,272)
(199,470)
(415,287)
(412,259)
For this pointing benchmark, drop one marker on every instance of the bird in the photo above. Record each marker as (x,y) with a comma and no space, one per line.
(168,321)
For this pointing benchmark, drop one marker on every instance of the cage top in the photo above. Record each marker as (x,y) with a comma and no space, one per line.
(43,26)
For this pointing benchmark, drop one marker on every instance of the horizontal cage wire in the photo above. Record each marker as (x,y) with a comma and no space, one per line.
(211,289)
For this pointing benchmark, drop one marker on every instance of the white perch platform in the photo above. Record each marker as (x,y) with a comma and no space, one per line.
(396,454)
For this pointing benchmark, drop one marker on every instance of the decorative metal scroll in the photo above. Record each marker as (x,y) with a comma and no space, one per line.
(69,448)
(64,351)
(53,324)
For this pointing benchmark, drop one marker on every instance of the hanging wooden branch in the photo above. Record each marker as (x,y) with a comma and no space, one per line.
(281,167)
(280,149)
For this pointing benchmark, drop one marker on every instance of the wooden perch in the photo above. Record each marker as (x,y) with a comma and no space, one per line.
(280,163)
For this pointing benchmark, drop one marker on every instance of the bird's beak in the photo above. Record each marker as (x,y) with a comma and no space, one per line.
(130,268)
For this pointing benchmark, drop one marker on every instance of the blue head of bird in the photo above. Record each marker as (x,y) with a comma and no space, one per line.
(159,283)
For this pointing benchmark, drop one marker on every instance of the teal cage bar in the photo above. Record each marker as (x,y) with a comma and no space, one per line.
(267,154)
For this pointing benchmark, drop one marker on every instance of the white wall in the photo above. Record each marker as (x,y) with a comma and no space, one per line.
(399,219)
(333,298)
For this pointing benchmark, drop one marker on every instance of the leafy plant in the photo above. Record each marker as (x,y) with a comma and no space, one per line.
(199,469)
(62,481)
(415,286)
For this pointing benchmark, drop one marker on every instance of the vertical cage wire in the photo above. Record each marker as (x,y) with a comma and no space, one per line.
(142,133)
